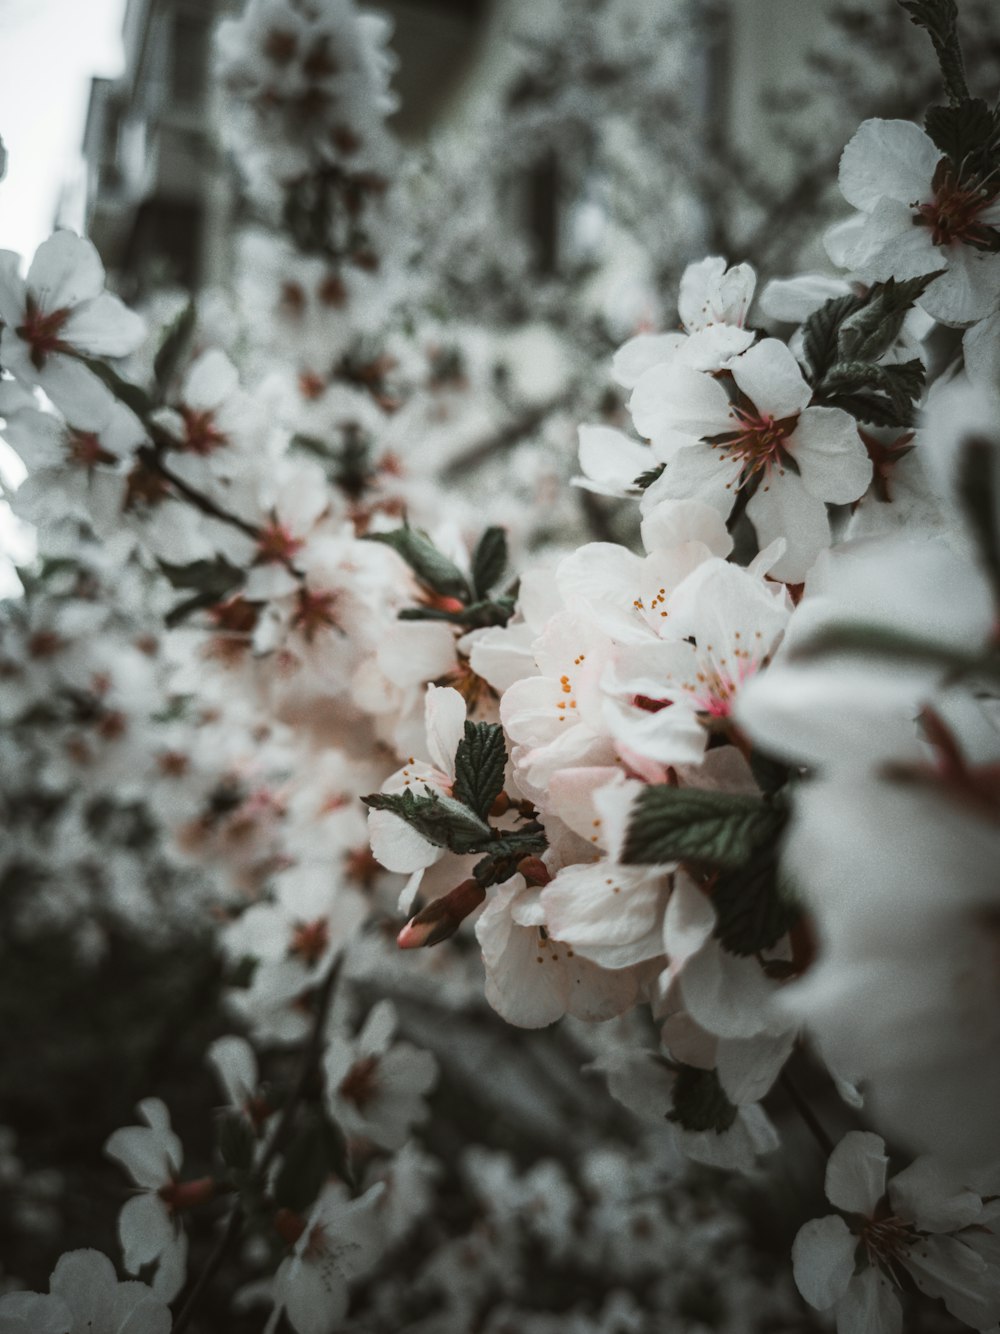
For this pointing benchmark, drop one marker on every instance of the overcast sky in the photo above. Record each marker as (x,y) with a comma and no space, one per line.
(49,50)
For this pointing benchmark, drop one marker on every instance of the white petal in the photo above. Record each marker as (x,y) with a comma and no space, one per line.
(823,1260)
(672,522)
(833,462)
(855,1172)
(611,458)
(211,380)
(104,327)
(444,715)
(771,378)
(676,398)
(65,271)
(870,1305)
(698,472)
(782,507)
(689,920)
(233,1060)
(397,846)
(934,1197)
(145,1230)
(637,355)
(887,158)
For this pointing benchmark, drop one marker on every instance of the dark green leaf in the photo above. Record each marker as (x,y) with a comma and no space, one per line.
(172,349)
(211,581)
(475,616)
(720,829)
(479,767)
(439,819)
(132,395)
(896,387)
(317,1152)
(753,906)
(434,570)
(819,333)
(869,332)
(939,18)
(311,444)
(980,497)
(966,134)
(879,641)
(700,1102)
(646,479)
(871,409)
(236,1141)
(489,561)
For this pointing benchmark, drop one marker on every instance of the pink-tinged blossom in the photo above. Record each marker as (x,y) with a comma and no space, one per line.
(533,980)
(919,217)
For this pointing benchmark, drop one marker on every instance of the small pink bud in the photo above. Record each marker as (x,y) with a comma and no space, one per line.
(442,918)
(534,870)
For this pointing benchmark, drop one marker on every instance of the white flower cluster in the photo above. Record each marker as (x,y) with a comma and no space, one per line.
(742,781)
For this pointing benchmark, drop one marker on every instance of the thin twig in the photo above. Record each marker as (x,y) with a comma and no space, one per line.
(801,1105)
(310,1055)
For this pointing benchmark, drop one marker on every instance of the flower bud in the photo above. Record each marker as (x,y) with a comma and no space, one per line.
(534,870)
(442,918)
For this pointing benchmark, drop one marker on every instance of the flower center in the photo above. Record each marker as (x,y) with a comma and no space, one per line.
(314,611)
(201,435)
(276,542)
(758,441)
(84,449)
(953,214)
(310,940)
(360,1084)
(41,331)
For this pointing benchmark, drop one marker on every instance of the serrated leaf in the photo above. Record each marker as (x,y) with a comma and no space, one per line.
(939,19)
(434,570)
(700,1103)
(441,820)
(479,767)
(901,384)
(752,905)
(868,333)
(965,133)
(173,347)
(819,333)
(646,479)
(489,561)
(719,829)
(871,409)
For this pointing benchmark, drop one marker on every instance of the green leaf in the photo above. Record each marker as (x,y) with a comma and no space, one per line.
(879,641)
(646,479)
(967,134)
(317,1152)
(489,561)
(720,829)
(236,1141)
(753,906)
(479,766)
(210,580)
(901,384)
(869,332)
(439,819)
(132,395)
(819,333)
(979,495)
(939,19)
(173,347)
(500,863)
(475,616)
(700,1102)
(434,570)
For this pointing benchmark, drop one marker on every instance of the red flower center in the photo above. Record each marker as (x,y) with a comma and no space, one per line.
(310,940)
(953,214)
(201,435)
(314,610)
(41,330)
(277,543)
(85,450)
(758,442)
